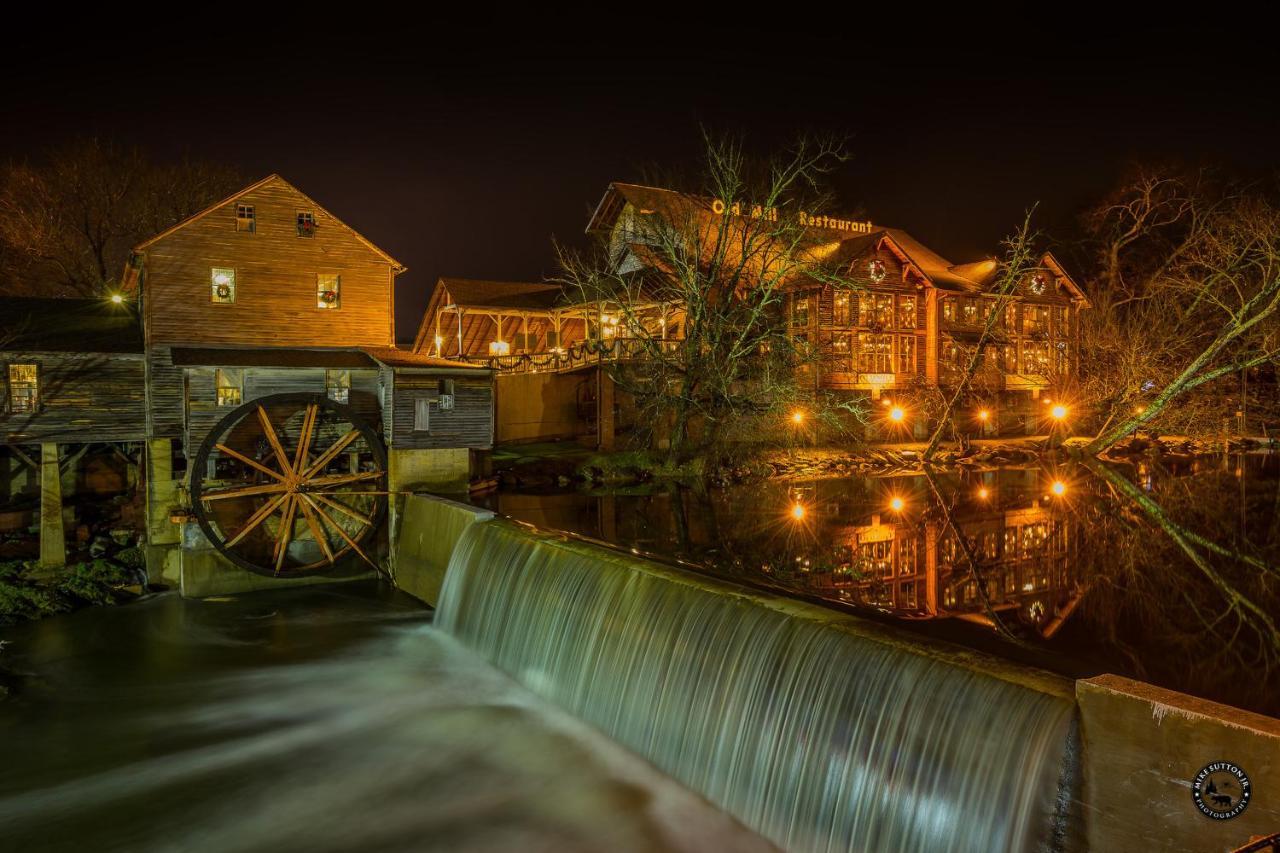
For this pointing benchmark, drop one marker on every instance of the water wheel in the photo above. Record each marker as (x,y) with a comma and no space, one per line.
(290,484)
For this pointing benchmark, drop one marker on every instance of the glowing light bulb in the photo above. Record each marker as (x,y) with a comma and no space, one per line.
(1059,488)
(117,298)
(884,401)
(797,417)
(896,504)
(797,511)
(983,414)
(1059,412)
(983,492)
(896,414)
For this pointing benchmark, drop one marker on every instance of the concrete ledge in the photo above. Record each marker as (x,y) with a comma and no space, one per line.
(1143,746)
(428,529)
(206,572)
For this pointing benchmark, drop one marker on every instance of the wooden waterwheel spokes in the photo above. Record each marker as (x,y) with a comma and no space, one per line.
(290,484)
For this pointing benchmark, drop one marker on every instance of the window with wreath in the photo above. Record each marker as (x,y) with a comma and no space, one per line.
(840,308)
(223,284)
(875,353)
(328,290)
(24,389)
(906,312)
(306,223)
(337,385)
(229,385)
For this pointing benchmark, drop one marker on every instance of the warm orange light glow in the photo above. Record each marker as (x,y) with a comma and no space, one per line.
(797,417)
(117,298)
(896,504)
(1059,488)
(983,493)
(1059,412)
(884,401)
(499,348)
(1137,410)
(896,414)
(797,511)
(983,414)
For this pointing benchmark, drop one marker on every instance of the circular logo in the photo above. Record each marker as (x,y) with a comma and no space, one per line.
(1221,790)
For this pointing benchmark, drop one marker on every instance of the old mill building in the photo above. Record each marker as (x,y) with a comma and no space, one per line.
(908,317)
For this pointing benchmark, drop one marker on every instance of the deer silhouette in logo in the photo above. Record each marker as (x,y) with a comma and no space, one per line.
(1220,800)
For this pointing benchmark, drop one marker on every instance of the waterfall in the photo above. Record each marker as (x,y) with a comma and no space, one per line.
(820,731)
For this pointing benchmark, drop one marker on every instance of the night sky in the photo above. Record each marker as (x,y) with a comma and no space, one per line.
(464,152)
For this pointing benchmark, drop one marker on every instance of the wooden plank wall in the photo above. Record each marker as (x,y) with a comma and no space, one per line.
(276,272)
(468,424)
(82,397)
(166,413)
(203,411)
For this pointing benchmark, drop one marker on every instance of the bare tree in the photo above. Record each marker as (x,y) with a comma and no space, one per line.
(694,287)
(67,226)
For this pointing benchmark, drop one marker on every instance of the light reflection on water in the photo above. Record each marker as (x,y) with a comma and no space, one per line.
(308,720)
(1065,571)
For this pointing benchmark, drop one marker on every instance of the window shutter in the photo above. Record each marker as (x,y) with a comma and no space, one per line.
(422,414)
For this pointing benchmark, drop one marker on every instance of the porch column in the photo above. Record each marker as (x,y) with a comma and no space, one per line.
(53,542)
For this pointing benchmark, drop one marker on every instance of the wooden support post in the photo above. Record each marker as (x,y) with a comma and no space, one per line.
(604,411)
(53,542)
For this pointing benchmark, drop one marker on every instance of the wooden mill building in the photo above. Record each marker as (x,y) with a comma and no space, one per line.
(260,323)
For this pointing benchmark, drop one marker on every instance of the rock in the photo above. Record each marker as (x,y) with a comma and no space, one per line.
(122,537)
(100,546)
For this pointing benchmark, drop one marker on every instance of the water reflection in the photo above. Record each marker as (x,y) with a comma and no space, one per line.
(1058,558)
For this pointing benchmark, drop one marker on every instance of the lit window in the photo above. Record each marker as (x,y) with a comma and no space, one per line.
(906,312)
(328,291)
(949,310)
(337,385)
(800,310)
(422,415)
(875,353)
(245,219)
(23,388)
(230,385)
(907,354)
(840,315)
(445,390)
(970,312)
(306,223)
(224,285)
(1035,358)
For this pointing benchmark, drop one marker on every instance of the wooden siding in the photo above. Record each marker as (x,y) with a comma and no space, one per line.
(166,414)
(468,424)
(275,284)
(203,411)
(81,397)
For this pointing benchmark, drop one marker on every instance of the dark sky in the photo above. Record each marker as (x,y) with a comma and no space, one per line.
(465,151)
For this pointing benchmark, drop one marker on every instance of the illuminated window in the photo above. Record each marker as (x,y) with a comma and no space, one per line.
(969,312)
(245,218)
(840,310)
(949,310)
(306,223)
(800,309)
(875,353)
(328,290)
(1011,317)
(422,415)
(223,283)
(906,312)
(23,388)
(1060,321)
(1035,358)
(1035,318)
(229,385)
(841,353)
(337,385)
(906,354)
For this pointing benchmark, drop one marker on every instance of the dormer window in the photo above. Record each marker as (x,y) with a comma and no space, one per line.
(245,218)
(223,285)
(328,290)
(306,223)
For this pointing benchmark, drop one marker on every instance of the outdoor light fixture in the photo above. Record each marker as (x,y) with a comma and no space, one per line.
(117,298)
(439,343)
(499,348)
(1059,488)
(797,417)
(896,414)
(1058,412)
(983,493)
(896,504)
(797,511)
(983,414)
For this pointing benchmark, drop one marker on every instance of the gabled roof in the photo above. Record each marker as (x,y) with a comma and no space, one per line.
(29,324)
(1052,263)
(506,294)
(399,267)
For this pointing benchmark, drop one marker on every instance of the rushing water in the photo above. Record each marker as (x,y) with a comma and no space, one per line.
(1084,582)
(822,737)
(330,720)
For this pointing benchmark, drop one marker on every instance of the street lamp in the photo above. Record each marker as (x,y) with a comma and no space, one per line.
(1059,488)
(1058,412)
(797,417)
(797,511)
(896,504)
(896,414)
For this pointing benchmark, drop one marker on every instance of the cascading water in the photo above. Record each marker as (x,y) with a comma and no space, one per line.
(817,733)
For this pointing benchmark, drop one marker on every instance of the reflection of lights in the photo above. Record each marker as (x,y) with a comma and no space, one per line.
(984,493)
(797,417)
(896,504)
(1058,412)
(1059,488)
(797,511)
(896,414)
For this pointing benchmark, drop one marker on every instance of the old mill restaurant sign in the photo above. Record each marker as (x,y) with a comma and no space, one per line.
(719,208)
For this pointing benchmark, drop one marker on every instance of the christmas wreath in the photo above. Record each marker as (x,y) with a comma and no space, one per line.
(1038,283)
(328,297)
(876,270)
(223,291)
